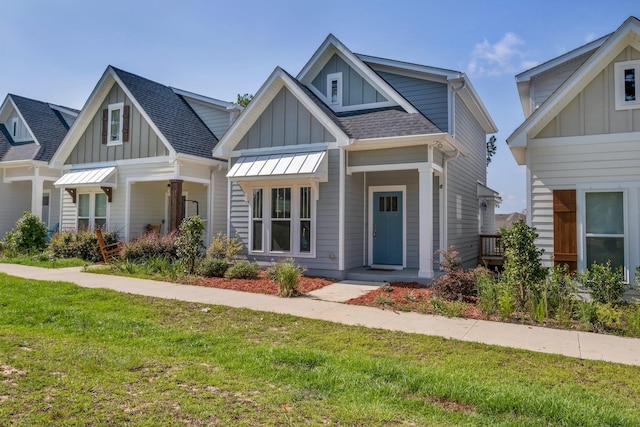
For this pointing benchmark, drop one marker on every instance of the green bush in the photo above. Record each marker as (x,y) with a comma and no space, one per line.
(224,247)
(487,290)
(79,244)
(286,273)
(605,283)
(189,245)
(212,267)
(149,246)
(29,235)
(456,284)
(242,270)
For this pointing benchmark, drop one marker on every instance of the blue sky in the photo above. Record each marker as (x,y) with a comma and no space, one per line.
(56,51)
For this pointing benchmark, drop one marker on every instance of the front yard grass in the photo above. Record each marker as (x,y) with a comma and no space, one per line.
(75,356)
(44,261)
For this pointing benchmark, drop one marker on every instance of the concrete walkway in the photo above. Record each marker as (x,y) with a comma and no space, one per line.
(324,305)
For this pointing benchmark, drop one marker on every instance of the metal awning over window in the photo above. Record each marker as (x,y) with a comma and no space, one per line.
(287,165)
(100,177)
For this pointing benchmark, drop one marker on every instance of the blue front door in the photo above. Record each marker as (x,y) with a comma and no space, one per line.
(387,227)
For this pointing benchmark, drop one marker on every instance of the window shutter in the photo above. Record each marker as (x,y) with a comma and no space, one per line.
(105,125)
(125,124)
(565,242)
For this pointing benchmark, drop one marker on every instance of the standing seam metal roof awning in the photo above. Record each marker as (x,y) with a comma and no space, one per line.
(87,178)
(286,165)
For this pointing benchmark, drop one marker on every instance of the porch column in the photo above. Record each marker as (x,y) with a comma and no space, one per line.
(37,187)
(175,204)
(425,221)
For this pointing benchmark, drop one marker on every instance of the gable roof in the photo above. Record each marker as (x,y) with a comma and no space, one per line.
(179,128)
(628,34)
(44,123)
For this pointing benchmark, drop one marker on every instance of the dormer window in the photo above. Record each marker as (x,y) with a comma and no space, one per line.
(627,77)
(334,88)
(115,124)
(14,128)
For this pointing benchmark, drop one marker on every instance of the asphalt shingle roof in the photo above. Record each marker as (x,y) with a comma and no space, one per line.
(173,116)
(47,125)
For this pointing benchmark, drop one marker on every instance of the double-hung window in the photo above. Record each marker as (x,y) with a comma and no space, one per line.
(92,211)
(114,123)
(604,227)
(627,84)
(282,220)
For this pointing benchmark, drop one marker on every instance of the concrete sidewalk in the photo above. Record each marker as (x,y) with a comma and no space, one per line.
(323,305)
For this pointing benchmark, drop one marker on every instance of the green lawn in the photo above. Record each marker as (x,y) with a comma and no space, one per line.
(42,260)
(75,356)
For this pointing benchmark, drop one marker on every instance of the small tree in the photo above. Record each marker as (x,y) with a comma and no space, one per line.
(243,100)
(27,236)
(189,245)
(523,270)
(491,148)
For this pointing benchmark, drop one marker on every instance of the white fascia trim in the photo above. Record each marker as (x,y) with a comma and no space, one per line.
(408,141)
(577,81)
(201,160)
(208,100)
(24,122)
(301,148)
(267,92)
(423,166)
(333,45)
(126,162)
(587,139)
(64,110)
(410,69)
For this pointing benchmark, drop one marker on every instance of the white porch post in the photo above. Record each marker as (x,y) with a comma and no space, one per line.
(425,225)
(37,187)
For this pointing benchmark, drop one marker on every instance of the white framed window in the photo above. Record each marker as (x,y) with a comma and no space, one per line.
(14,128)
(627,84)
(604,224)
(283,220)
(46,203)
(114,124)
(92,211)
(334,89)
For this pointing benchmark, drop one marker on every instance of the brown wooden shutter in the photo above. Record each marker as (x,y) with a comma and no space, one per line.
(565,242)
(105,125)
(125,124)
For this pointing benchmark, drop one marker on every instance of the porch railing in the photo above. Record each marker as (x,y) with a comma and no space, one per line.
(491,250)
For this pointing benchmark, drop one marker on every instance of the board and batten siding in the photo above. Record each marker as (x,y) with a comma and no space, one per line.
(217,119)
(463,175)
(326,217)
(143,141)
(355,89)
(284,122)
(592,111)
(561,164)
(22,133)
(430,98)
(15,199)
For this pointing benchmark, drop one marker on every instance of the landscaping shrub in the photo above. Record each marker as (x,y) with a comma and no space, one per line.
(456,283)
(605,284)
(150,246)
(487,290)
(29,235)
(286,273)
(79,244)
(224,247)
(215,267)
(242,270)
(523,270)
(189,245)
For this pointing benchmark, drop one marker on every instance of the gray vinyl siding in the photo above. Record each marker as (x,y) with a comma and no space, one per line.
(219,187)
(416,154)
(148,200)
(54,204)
(285,121)
(326,217)
(430,98)
(355,89)
(15,199)
(143,141)
(355,221)
(464,173)
(216,119)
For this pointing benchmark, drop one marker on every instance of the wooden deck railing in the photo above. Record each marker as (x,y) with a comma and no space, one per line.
(491,250)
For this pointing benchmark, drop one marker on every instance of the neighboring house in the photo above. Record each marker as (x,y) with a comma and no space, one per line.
(507,220)
(30,132)
(360,161)
(139,154)
(580,143)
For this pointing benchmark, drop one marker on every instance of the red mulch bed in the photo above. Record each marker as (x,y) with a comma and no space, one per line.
(410,297)
(263,285)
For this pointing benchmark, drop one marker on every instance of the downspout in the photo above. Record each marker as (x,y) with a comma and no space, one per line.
(452,117)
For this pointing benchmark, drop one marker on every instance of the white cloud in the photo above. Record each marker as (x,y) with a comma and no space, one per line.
(590,37)
(503,57)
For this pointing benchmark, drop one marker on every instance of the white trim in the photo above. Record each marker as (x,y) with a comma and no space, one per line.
(206,99)
(337,77)
(619,84)
(92,209)
(119,106)
(388,167)
(14,128)
(385,188)
(302,148)
(48,221)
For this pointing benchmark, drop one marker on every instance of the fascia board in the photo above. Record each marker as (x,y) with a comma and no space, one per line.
(205,99)
(415,69)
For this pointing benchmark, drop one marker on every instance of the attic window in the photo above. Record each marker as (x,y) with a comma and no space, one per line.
(627,79)
(334,88)
(115,124)
(14,128)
